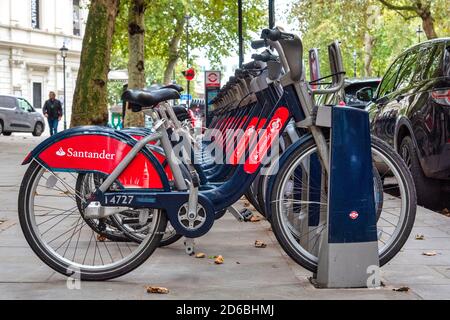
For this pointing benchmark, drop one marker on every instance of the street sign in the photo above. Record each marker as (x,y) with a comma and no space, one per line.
(212,79)
(212,87)
(186,97)
(189,74)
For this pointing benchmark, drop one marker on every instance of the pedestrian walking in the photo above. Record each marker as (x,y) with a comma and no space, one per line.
(52,110)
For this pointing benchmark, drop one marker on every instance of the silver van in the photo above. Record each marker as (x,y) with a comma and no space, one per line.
(17,115)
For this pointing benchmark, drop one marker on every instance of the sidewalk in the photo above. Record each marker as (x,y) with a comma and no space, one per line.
(247,273)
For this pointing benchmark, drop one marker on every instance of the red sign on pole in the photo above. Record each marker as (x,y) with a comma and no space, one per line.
(189,74)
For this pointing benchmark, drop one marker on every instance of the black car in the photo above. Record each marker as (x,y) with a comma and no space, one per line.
(411,111)
(351,87)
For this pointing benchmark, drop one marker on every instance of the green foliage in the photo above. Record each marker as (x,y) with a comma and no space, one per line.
(348,21)
(213,29)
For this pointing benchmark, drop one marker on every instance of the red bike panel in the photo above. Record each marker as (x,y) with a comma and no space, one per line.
(269,135)
(101,153)
(161,158)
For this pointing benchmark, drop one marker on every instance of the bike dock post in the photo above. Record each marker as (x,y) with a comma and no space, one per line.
(348,253)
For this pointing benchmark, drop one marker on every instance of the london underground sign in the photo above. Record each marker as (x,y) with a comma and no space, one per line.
(212,79)
(212,87)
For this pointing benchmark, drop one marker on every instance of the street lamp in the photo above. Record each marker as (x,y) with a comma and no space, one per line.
(419,31)
(355,55)
(64,51)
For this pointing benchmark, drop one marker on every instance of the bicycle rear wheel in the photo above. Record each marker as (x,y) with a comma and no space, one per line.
(58,233)
(298,223)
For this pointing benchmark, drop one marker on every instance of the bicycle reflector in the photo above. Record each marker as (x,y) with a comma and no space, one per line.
(441,96)
(189,74)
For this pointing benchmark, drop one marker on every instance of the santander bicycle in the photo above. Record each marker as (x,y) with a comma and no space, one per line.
(86,184)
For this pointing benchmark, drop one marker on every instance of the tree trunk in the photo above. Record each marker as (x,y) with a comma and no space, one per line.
(368,53)
(174,53)
(136,70)
(90,101)
(428,24)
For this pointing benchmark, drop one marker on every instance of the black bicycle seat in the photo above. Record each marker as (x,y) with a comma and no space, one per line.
(181,113)
(173,86)
(143,99)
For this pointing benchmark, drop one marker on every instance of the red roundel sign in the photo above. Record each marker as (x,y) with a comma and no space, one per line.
(189,74)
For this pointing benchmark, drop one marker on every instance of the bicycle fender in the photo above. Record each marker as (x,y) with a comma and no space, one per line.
(281,162)
(100,149)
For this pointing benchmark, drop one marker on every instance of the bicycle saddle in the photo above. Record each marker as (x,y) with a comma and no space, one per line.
(142,99)
(181,113)
(173,86)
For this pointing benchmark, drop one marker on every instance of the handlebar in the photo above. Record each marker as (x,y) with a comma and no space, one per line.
(265,56)
(252,65)
(276,35)
(258,44)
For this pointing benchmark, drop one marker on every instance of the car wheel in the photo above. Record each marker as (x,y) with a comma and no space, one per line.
(38,128)
(7,133)
(428,190)
(1,127)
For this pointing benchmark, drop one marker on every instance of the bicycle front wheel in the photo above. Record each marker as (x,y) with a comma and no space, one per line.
(299,203)
(56,230)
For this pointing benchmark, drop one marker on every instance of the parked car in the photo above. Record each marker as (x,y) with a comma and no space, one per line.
(351,87)
(411,111)
(17,115)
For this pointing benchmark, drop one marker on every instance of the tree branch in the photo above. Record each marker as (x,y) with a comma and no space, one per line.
(396,7)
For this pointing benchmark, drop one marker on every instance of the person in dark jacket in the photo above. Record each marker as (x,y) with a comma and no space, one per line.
(52,110)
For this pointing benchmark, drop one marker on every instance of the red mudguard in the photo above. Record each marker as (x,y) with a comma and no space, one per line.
(98,149)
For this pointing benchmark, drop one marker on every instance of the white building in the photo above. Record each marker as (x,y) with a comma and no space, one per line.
(31,34)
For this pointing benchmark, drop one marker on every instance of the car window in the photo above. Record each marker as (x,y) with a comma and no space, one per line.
(429,65)
(7,102)
(25,106)
(388,83)
(447,60)
(408,70)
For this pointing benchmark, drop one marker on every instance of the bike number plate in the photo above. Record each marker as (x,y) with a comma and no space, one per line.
(119,200)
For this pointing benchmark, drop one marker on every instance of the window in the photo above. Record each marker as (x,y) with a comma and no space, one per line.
(408,70)
(431,62)
(35,14)
(76,18)
(388,84)
(37,94)
(24,105)
(447,60)
(7,102)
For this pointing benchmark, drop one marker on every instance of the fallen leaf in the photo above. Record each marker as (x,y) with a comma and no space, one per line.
(260,244)
(219,260)
(101,238)
(401,289)
(200,255)
(446,212)
(255,219)
(429,253)
(420,237)
(212,257)
(237,262)
(160,290)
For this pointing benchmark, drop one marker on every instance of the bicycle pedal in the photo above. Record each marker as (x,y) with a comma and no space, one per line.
(246,214)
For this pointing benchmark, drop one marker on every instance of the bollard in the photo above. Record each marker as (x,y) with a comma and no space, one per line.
(348,252)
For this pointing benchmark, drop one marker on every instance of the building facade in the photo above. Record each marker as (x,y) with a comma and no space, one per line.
(31,35)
